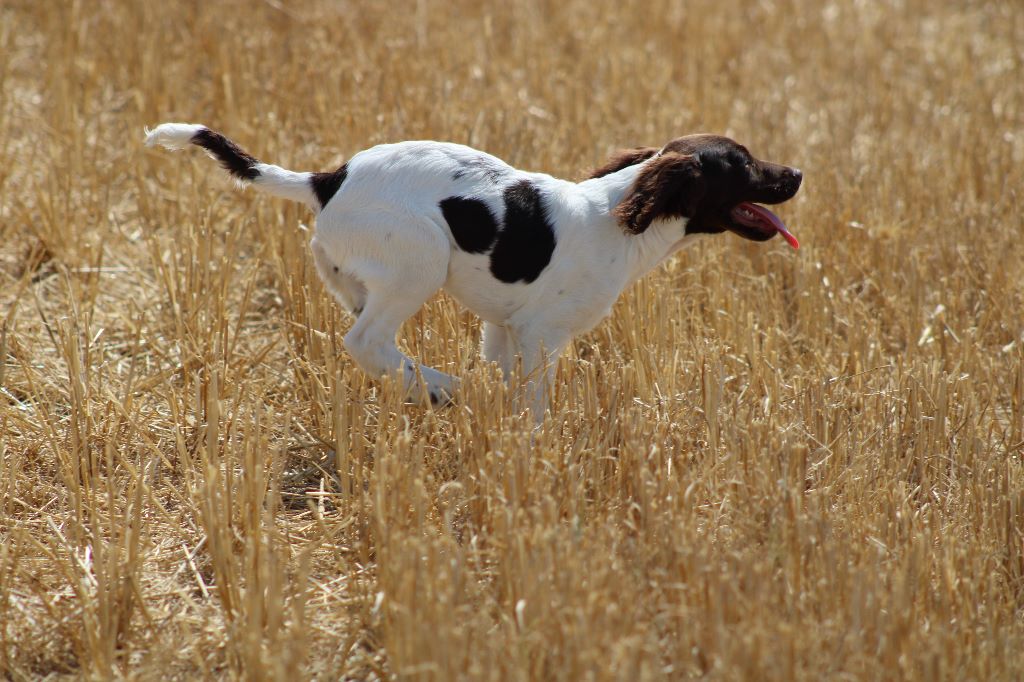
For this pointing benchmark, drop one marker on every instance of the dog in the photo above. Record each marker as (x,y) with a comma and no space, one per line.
(538,259)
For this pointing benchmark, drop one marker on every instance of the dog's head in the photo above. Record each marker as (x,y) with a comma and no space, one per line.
(712,181)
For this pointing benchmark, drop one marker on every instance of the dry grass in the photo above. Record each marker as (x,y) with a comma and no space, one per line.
(765,465)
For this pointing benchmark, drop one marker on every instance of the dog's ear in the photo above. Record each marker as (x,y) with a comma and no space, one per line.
(623,159)
(669,186)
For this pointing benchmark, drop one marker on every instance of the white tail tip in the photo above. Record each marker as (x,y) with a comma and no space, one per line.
(172,135)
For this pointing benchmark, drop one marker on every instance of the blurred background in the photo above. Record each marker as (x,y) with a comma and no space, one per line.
(766,464)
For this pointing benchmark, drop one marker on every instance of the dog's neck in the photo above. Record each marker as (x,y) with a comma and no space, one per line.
(647,249)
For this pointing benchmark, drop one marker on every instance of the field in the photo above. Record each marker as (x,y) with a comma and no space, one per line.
(767,464)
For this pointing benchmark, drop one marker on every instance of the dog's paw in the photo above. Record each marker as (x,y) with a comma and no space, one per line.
(440,398)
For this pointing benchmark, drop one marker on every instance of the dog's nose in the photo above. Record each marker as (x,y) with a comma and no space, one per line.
(795,175)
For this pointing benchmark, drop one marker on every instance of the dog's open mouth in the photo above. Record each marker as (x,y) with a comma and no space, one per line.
(758,223)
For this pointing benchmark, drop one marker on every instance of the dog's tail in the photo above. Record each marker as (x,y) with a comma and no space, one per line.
(309,188)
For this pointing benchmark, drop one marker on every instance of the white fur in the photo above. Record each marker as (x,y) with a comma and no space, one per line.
(172,135)
(383,248)
(272,179)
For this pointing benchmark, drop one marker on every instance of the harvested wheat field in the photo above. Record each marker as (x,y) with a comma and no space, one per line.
(766,464)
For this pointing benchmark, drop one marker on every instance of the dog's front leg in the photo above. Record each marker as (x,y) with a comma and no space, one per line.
(498,347)
(540,349)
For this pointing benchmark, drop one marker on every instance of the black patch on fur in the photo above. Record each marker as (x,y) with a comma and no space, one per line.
(231,156)
(481,165)
(527,241)
(471,222)
(326,185)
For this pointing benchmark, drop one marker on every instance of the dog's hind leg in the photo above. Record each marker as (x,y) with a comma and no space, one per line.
(371,342)
(383,266)
(394,285)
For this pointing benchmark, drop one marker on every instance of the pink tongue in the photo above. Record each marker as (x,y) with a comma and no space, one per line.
(763,218)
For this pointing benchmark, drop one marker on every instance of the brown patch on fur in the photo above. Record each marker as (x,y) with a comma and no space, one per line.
(326,185)
(668,187)
(623,159)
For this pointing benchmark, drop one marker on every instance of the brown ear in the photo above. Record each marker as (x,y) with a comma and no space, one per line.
(623,159)
(667,187)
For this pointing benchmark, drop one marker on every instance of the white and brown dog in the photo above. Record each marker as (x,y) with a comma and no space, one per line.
(539,259)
